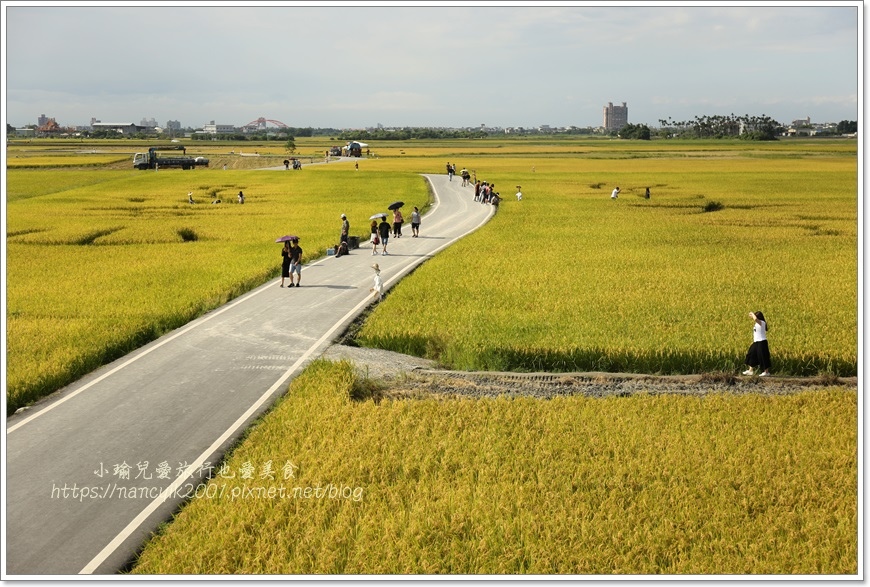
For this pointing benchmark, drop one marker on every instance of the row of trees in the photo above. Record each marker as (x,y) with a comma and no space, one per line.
(758,128)
(407,133)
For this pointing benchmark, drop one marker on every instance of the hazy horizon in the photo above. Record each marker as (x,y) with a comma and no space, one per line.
(356,66)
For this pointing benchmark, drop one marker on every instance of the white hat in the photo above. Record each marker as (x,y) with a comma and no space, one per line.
(343,216)
(376,267)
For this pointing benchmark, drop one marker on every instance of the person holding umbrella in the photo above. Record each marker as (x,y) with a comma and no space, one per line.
(397,218)
(285,263)
(374,238)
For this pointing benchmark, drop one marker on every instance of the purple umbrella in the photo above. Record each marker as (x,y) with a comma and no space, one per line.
(286,237)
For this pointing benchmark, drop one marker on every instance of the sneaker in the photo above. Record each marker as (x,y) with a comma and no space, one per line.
(765,374)
(748,372)
(291,285)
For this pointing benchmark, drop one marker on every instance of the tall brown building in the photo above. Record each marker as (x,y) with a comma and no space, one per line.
(615,117)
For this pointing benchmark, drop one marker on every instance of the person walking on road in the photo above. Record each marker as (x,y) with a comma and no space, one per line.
(759,352)
(285,262)
(374,238)
(384,232)
(415,222)
(378,285)
(398,220)
(295,262)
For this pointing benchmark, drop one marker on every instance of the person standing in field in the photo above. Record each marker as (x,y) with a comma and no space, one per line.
(646,194)
(384,232)
(285,262)
(295,262)
(615,193)
(758,355)
(398,220)
(415,222)
(519,194)
(378,285)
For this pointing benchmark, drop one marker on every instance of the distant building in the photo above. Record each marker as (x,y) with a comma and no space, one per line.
(122,128)
(49,128)
(42,120)
(615,117)
(173,125)
(801,122)
(218,129)
(148,123)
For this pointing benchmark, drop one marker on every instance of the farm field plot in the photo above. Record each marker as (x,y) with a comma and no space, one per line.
(336,480)
(570,280)
(100,262)
(715,484)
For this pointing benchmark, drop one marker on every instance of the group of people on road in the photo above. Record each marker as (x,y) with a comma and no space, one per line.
(381,232)
(484,192)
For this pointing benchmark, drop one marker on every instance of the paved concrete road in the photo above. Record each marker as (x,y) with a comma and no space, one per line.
(93,470)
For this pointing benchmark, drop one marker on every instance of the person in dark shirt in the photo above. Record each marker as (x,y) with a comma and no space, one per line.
(295,262)
(384,230)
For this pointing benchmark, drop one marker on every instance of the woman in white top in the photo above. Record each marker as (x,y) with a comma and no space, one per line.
(378,285)
(759,353)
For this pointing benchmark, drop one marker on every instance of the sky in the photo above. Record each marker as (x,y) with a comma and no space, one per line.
(444,64)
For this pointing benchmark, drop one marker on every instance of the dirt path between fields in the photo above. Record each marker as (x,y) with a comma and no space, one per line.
(397,376)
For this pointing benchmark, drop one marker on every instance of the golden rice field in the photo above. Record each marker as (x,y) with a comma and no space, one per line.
(570,280)
(715,484)
(100,261)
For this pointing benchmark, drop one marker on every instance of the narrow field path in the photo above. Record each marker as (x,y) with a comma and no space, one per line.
(93,469)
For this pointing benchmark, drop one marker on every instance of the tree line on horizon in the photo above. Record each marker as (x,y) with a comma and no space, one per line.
(746,127)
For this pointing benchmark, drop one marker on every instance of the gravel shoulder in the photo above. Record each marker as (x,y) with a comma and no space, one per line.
(402,376)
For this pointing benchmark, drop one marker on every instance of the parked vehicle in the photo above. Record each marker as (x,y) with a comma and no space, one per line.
(151,159)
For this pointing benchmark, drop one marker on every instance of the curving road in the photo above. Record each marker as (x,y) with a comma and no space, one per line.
(92,470)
